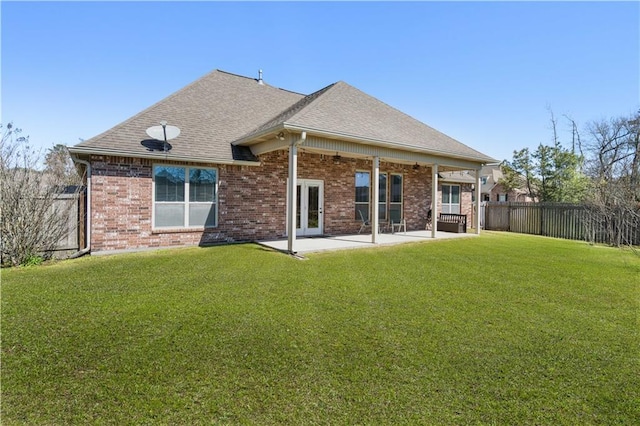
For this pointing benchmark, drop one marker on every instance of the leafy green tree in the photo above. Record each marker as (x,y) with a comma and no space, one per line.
(551,173)
(548,174)
(605,175)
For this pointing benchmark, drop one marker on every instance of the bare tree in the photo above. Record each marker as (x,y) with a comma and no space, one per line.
(551,173)
(59,165)
(31,221)
(575,136)
(614,167)
(601,170)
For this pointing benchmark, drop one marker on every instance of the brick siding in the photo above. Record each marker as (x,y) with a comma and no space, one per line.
(251,199)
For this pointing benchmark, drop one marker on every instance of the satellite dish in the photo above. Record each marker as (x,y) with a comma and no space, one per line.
(158,132)
(163,133)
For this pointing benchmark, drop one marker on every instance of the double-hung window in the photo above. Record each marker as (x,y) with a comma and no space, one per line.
(185,197)
(451,199)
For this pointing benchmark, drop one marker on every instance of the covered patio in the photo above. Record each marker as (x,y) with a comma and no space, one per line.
(343,242)
(371,144)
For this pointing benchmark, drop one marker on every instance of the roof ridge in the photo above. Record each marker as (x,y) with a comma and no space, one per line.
(236,75)
(257,80)
(289,112)
(310,99)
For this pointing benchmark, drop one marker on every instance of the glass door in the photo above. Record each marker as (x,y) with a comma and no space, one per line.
(309,217)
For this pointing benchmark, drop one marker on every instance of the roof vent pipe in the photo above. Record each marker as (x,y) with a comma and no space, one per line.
(260,77)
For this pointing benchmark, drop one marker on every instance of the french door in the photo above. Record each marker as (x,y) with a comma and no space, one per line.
(310,202)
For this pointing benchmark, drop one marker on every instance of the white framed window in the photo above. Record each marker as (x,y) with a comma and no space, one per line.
(382,196)
(451,199)
(363,192)
(395,198)
(184,197)
(389,196)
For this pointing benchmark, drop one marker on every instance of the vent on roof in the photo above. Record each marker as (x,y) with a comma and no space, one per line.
(260,77)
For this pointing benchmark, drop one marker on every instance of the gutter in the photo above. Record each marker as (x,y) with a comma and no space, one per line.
(87,248)
(103,151)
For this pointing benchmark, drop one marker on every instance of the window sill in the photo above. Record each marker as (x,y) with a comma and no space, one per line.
(180,230)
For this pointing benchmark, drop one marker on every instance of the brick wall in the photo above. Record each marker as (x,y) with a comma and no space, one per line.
(251,200)
(339,189)
(512,195)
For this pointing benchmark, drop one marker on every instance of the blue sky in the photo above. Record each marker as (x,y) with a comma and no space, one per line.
(484,73)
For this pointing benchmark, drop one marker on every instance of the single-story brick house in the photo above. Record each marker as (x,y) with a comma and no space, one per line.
(251,156)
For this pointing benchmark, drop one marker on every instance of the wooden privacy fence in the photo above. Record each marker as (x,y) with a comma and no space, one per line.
(560,220)
(72,203)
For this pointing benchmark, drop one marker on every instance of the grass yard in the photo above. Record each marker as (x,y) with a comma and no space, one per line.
(501,329)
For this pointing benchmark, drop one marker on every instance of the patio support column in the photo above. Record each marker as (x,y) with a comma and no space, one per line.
(478,194)
(434,200)
(376,199)
(292,196)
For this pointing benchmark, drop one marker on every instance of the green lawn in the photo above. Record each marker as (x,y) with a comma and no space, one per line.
(500,329)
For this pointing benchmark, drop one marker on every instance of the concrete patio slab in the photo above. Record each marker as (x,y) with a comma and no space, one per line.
(342,242)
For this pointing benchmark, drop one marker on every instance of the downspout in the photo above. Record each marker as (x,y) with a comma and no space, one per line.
(87,248)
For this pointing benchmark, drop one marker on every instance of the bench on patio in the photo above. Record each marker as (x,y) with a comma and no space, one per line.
(451,222)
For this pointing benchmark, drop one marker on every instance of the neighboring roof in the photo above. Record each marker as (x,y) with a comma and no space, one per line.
(341,110)
(222,114)
(211,113)
(493,174)
(462,176)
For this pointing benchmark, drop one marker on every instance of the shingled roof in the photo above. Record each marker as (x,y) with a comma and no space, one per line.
(211,113)
(222,114)
(342,110)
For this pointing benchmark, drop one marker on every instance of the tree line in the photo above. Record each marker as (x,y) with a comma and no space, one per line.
(600,169)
